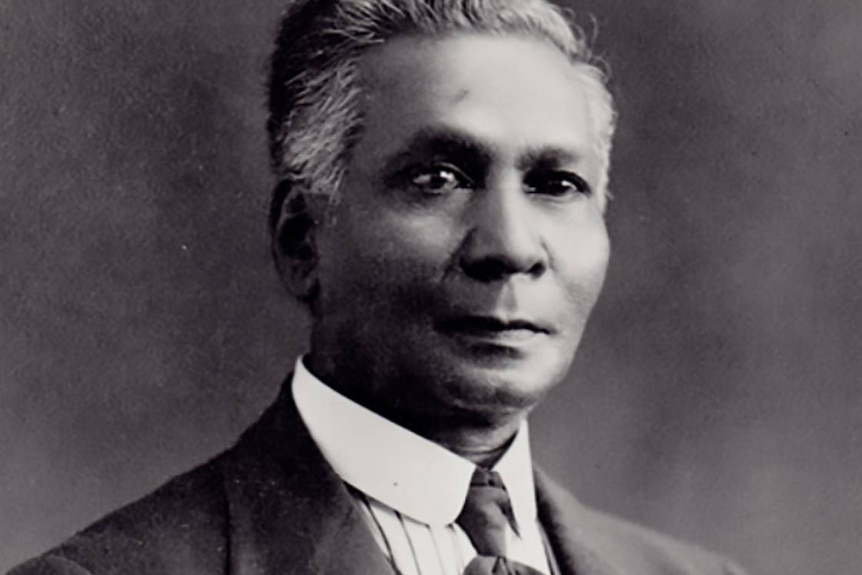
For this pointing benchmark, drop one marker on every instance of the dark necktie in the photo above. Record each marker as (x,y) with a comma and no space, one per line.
(484,517)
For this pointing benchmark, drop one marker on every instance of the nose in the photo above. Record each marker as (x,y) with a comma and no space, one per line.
(503,237)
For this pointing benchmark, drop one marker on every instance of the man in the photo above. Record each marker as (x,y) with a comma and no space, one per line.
(442,173)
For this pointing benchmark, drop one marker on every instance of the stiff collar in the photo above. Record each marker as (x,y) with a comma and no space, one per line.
(397,467)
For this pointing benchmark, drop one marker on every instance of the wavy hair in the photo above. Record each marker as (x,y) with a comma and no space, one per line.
(315,115)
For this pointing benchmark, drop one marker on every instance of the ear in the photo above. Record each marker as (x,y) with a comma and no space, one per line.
(293,242)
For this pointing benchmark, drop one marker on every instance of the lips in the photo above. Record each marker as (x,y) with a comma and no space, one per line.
(492,330)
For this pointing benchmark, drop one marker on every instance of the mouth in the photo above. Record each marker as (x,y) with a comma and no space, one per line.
(490,330)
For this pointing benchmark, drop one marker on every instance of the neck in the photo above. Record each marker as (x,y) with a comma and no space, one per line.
(482,448)
(480,434)
(478,438)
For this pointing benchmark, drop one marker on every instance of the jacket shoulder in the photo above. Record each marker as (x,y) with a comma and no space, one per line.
(602,543)
(180,528)
(639,549)
(49,564)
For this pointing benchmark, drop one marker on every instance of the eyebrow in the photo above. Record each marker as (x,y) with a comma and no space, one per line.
(442,142)
(449,142)
(547,158)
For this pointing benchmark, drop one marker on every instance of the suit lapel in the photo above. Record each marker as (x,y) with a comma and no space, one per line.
(567,526)
(289,513)
(288,510)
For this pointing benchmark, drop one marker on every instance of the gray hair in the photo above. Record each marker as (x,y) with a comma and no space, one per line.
(314,111)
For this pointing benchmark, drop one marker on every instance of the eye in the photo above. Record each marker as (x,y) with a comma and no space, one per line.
(557,184)
(439,179)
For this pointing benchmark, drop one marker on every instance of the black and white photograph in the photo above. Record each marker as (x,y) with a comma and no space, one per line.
(430,287)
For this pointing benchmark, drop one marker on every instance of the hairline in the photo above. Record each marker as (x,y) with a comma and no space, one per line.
(312,140)
(351,67)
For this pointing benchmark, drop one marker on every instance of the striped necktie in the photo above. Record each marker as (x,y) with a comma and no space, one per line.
(484,517)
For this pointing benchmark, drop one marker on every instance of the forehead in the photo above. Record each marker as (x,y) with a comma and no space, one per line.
(509,93)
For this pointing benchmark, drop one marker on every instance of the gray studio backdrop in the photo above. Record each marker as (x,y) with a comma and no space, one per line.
(716,395)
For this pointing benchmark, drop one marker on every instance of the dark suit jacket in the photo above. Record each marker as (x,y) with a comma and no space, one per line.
(271,505)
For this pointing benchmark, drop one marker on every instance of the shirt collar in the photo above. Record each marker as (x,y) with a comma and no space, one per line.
(397,467)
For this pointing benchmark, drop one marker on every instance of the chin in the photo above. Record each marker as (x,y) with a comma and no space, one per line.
(495,388)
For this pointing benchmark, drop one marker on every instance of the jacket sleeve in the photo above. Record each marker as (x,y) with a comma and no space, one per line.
(49,565)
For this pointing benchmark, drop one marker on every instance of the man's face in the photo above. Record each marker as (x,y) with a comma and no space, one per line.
(469,246)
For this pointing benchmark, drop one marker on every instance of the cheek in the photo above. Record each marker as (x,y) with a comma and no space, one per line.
(580,259)
(388,261)
(413,238)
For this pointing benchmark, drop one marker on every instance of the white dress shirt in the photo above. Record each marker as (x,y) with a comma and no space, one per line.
(410,489)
